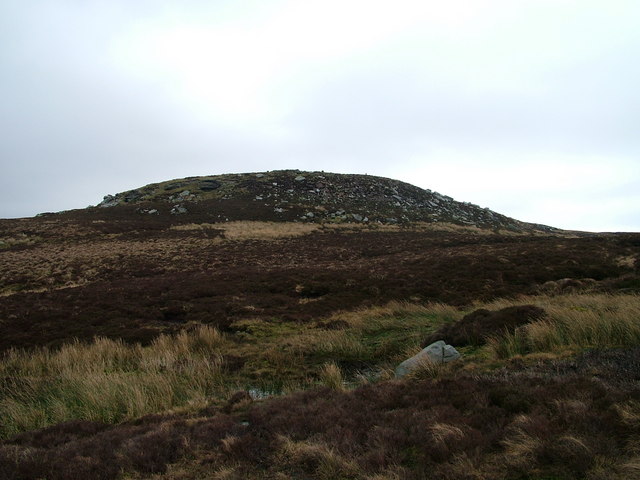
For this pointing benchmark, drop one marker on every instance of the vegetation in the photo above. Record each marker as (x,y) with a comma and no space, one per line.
(110,381)
(204,346)
(107,380)
(575,323)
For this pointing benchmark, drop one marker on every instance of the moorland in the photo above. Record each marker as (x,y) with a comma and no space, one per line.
(248,326)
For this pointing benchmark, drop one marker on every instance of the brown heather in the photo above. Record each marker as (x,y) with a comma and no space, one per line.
(552,423)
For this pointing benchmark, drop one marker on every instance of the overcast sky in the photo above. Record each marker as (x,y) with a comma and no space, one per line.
(528,107)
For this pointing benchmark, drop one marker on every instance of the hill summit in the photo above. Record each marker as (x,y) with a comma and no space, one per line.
(293,195)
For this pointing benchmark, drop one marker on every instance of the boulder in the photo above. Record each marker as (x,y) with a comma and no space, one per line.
(437,352)
(208,185)
(108,201)
(178,210)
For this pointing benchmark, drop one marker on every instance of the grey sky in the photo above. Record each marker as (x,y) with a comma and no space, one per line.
(528,107)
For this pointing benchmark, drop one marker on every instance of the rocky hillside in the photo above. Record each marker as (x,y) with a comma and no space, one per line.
(292,195)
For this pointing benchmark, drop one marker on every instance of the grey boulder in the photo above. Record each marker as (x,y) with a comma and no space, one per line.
(437,352)
(108,201)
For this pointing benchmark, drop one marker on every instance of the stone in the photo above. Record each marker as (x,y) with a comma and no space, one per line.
(108,201)
(437,352)
(132,196)
(208,185)
(186,193)
(357,217)
(259,175)
(299,178)
(178,210)
(278,210)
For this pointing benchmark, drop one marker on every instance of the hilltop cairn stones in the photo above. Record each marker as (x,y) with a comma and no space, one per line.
(437,352)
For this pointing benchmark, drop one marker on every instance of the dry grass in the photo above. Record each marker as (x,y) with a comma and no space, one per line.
(107,380)
(324,462)
(266,230)
(362,317)
(331,376)
(257,230)
(574,322)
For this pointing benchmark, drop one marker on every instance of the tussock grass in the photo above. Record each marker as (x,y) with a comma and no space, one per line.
(107,380)
(331,376)
(574,322)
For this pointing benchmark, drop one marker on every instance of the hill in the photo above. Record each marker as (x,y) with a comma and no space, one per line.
(291,195)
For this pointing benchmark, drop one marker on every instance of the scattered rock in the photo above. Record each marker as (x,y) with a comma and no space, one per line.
(178,210)
(152,211)
(366,198)
(567,285)
(437,352)
(108,201)
(132,196)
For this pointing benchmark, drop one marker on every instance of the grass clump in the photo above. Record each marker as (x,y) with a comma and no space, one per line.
(331,376)
(575,322)
(107,380)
